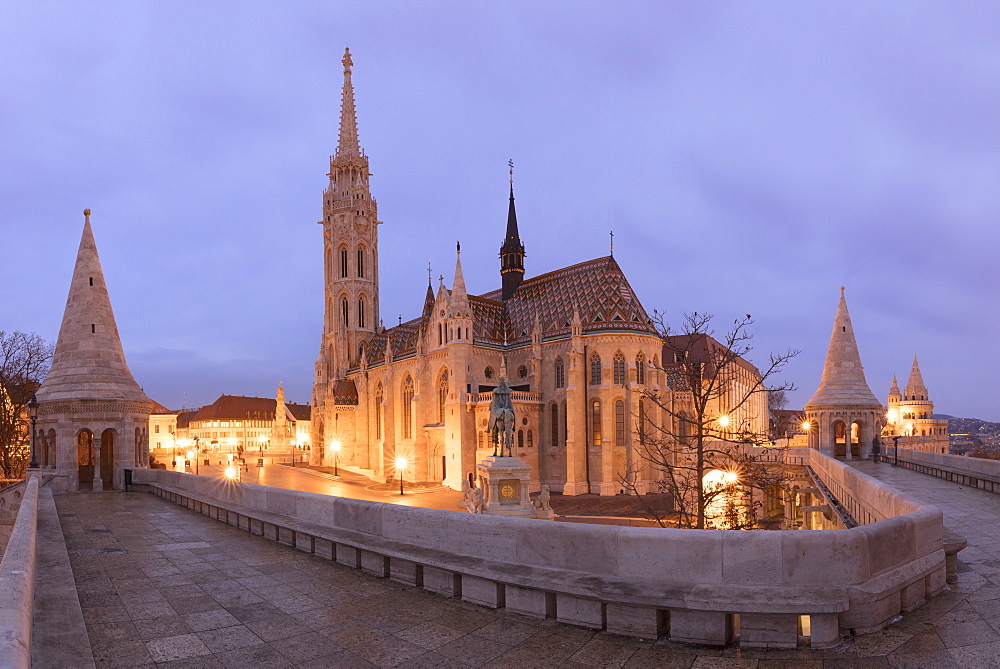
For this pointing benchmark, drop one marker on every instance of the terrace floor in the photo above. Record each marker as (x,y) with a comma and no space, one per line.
(162,586)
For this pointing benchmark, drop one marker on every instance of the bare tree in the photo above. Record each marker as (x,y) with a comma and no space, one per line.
(24,361)
(709,451)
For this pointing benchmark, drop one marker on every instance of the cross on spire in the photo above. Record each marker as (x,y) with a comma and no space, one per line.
(612,243)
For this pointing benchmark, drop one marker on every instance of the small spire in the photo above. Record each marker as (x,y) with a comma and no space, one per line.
(428,275)
(612,233)
(915,388)
(512,250)
(348,144)
(458,293)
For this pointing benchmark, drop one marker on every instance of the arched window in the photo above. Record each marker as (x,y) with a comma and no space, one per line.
(595,370)
(642,421)
(343,262)
(618,369)
(344,309)
(361,262)
(442,394)
(555,425)
(440,335)
(531,439)
(619,423)
(328,264)
(640,369)
(378,410)
(361,312)
(520,438)
(595,419)
(407,407)
(560,375)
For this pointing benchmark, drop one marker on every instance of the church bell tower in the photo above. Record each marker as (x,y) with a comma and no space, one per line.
(350,250)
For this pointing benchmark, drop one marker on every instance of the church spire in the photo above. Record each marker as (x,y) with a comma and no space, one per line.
(512,250)
(915,388)
(843,381)
(89,362)
(348,144)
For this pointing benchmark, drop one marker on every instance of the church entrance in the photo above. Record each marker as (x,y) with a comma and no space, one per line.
(85,459)
(108,459)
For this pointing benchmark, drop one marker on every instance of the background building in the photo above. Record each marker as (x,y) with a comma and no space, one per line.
(910,414)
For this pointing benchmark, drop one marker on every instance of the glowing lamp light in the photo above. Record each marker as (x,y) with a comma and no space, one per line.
(806,425)
(190,455)
(401,463)
(724,420)
(231,472)
(335,446)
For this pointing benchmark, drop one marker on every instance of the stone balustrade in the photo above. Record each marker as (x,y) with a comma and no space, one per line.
(17,581)
(515,396)
(766,588)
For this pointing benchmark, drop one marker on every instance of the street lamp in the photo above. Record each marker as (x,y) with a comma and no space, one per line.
(33,415)
(335,447)
(401,466)
(261,442)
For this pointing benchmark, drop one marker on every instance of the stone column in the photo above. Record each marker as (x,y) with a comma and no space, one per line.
(98,483)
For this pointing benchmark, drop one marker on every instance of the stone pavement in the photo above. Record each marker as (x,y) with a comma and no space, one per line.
(162,586)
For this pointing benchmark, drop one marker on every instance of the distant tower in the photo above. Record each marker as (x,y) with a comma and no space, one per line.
(93,416)
(512,250)
(350,250)
(844,415)
(911,414)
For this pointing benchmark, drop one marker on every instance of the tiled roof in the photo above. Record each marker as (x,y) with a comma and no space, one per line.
(184,418)
(237,407)
(299,411)
(345,392)
(596,288)
(160,409)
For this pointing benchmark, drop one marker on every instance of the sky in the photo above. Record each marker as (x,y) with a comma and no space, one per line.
(750,158)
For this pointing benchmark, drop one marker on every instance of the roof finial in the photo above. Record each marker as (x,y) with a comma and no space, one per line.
(348,63)
(458,247)
(612,243)
(347,144)
(428,275)
(510,164)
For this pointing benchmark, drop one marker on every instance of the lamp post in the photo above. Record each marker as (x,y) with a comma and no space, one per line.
(33,415)
(895,448)
(401,466)
(335,447)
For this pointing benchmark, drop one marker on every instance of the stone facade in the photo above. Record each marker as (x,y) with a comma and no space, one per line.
(93,418)
(575,345)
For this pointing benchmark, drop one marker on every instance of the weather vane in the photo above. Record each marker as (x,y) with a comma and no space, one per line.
(510,164)
(428,274)
(612,243)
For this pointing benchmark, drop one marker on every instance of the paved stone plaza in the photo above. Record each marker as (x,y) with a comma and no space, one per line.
(162,586)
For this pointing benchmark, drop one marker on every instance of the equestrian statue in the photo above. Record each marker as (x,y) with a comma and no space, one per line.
(501,424)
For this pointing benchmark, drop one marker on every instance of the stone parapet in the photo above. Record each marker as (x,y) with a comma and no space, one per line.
(689,585)
(17,582)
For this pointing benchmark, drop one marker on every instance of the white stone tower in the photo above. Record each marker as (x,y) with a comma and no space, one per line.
(93,417)
(844,415)
(911,414)
(350,248)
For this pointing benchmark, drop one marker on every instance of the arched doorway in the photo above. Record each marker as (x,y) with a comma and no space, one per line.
(856,429)
(839,439)
(437,464)
(108,458)
(85,458)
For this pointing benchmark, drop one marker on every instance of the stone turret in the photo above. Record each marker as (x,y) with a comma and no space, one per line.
(844,415)
(93,416)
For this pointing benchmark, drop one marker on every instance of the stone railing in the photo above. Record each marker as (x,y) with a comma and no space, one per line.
(515,396)
(766,588)
(17,582)
(976,472)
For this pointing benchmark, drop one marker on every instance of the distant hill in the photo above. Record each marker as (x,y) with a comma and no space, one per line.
(971,426)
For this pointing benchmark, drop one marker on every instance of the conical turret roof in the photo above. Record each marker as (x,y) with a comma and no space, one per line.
(915,385)
(89,362)
(843,382)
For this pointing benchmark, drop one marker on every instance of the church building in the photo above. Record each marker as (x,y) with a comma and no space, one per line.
(575,345)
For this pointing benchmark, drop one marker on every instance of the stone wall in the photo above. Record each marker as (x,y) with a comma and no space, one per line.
(773,588)
(17,582)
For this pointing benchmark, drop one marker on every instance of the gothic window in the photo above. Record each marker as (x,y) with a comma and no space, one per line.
(619,423)
(640,369)
(344,311)
(328,264)
(440,335)
(407,407)
(595,370)
(531,439)
(595,419)
(555,425)
(488,372)
(361,263)
(642,421)
(560,375)
(618,368)
(522,372)
(442,395)
(378,411)
(520,438)
(343,263)
(361,312)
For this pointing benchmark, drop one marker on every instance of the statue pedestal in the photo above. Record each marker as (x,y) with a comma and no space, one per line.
(505,480)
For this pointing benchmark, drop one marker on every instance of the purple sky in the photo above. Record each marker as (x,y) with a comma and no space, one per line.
(750,158)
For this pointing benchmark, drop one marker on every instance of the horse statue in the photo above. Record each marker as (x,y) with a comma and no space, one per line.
(501,423)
